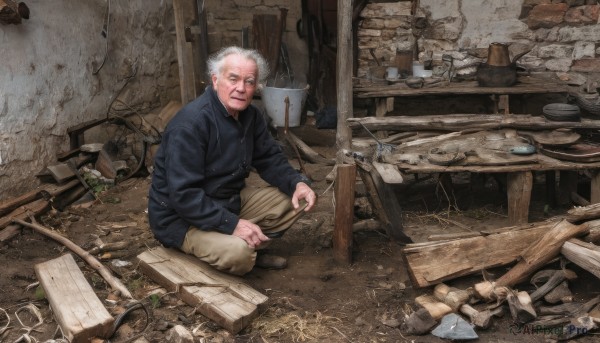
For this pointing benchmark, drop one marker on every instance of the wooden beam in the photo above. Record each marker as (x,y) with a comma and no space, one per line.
(343,82)
(75,306)
(224,298)
(344,212)
(187,74)
(543,250)
(519,196)
(428,263)
(461,122)
(585,255)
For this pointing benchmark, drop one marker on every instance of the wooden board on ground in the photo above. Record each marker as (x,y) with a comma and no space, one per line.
(76,307)
(224,298)
(430,264)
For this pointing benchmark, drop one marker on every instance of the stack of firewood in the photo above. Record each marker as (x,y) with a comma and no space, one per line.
(550,308)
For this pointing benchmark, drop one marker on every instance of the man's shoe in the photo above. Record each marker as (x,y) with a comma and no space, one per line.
(267,261)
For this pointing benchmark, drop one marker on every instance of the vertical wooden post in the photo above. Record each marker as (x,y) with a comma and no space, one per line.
(519,196)
(343,73)
(344,212)
(187,75)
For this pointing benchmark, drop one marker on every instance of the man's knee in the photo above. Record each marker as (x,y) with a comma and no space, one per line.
(237,259)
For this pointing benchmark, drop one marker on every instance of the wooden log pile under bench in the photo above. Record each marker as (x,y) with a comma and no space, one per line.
(530,248)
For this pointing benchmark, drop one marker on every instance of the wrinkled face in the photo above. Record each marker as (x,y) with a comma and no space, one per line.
(236,83)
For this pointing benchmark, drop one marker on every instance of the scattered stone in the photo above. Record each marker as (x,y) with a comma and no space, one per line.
(454,327)
(179,334)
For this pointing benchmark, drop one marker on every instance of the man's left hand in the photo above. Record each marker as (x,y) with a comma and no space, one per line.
(303,191)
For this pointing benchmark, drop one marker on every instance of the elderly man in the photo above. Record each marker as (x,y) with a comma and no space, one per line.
(198,200)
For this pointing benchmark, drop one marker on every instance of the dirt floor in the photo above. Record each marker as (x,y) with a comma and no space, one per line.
(313,300)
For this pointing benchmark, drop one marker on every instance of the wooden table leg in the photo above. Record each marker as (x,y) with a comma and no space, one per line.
(595,187)
(382,107)
(519,196)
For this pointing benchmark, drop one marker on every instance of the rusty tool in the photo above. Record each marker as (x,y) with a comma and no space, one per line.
(289,140)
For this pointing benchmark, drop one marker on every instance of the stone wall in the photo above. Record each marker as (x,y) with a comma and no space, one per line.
(561,36)
(52,76)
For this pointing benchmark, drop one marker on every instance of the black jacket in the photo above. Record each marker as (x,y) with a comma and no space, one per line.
(201,166)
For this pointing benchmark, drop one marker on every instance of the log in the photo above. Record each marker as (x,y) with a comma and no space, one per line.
(451,296)
(308,153)
(521,307)
(35,208)
(578,214)
(436,308)
(585,255)
(519,196)
(543,250)
(556,278)
(94,263)
(459,122)
(53,190)
(428,264)
(560,294)
(9,232)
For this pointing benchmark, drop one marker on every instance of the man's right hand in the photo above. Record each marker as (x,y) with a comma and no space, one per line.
(249,232)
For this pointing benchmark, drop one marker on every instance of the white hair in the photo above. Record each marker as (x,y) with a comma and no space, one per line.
(215,62)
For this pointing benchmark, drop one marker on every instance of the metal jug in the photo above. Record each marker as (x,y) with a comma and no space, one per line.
(498,55)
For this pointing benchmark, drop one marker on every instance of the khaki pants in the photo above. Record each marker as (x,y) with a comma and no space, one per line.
(266,207)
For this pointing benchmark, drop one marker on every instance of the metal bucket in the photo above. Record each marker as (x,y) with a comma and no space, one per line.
(274,100)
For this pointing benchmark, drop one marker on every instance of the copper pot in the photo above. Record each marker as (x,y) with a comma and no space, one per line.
(498,55)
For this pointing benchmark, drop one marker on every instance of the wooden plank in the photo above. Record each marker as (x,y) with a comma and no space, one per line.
(585,255)
(33,208)
(195,281)
(530,85)
(75,306)
(344,212)
(541,251)
(519,196)
(391,206)
(61,172)
(9,232)
(389,173)
(429,264)
(167,113)
(187,76)
(344,68)
(460,122)
(29,203)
